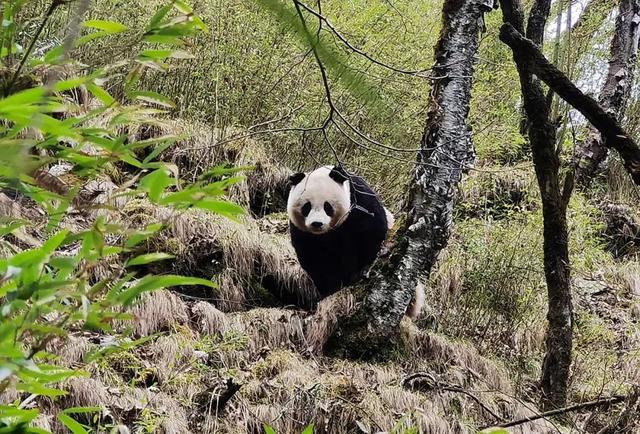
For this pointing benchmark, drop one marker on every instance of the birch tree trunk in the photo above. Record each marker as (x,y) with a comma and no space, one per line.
(591,152)
(446,151)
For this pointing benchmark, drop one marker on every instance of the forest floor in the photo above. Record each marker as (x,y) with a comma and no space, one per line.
(242,357)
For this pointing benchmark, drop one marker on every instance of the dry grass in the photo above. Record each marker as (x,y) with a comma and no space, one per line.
(443,353)
(262,349)
(323,323)
(158,311)
(8,395)
(264,188)
(141,409)
(619,186)
(245,261)
(265,330)
(70,350)
(288,392)
(488,193)
(208,320)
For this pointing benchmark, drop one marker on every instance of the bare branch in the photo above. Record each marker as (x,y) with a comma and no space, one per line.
(346,42)
(426,382)
(586,405)
(615,136)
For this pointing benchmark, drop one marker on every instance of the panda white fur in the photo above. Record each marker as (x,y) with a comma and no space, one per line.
(337,225)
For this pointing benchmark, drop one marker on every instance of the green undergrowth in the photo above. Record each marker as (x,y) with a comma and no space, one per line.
(489,286)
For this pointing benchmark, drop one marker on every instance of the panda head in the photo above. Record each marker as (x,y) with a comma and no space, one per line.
(319,201)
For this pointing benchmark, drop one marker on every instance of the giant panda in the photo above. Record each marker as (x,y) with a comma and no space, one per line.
(337,225)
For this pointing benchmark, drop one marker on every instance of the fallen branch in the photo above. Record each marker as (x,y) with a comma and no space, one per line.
(627,417)
(614,135)
(426,382)
(596,403)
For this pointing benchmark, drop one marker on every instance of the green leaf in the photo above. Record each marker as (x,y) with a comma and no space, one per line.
(11,226)
(158,17)
(182,7)
(155,183)
(157,151)
(148,258)
(153,97)
(308,429)
(23,98)
(71,83)
(268,429)
(39,389)
(164,39)
(222,207)
(91,37)
(101,94)
(156,54)
(72,424)
(81,410)
(107,26)
(18,415)
(53,55)
(152,283)
(142,235)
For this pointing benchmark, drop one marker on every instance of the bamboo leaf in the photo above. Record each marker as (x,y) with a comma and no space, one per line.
(72,424)
(153,97)
(148,258)
(107,26)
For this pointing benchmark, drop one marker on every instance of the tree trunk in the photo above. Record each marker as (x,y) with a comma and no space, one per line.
(591,152)
(542,135)
(615,136)
(446,152)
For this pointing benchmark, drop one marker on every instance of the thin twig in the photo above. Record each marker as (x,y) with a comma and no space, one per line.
(433,382)
(54,5)
(346,42)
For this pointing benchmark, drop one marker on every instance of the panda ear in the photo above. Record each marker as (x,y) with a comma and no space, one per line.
(338,174)
(296,178)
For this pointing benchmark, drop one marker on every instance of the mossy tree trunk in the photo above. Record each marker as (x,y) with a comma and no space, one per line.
(555,197)
(446,151)
(592,151)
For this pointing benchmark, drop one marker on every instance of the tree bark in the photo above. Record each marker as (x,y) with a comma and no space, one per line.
(591,152)
(445,153)
(542,135)
(614,135)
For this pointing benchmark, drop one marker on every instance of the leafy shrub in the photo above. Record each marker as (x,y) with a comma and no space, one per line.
(490,285)
(50,290)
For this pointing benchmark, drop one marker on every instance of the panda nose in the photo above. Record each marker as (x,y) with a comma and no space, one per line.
(316,225)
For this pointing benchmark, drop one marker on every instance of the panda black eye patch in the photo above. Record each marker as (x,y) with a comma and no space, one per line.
(306,209)
(328,209)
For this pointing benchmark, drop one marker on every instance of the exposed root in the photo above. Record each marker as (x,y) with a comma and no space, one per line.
(442,353)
